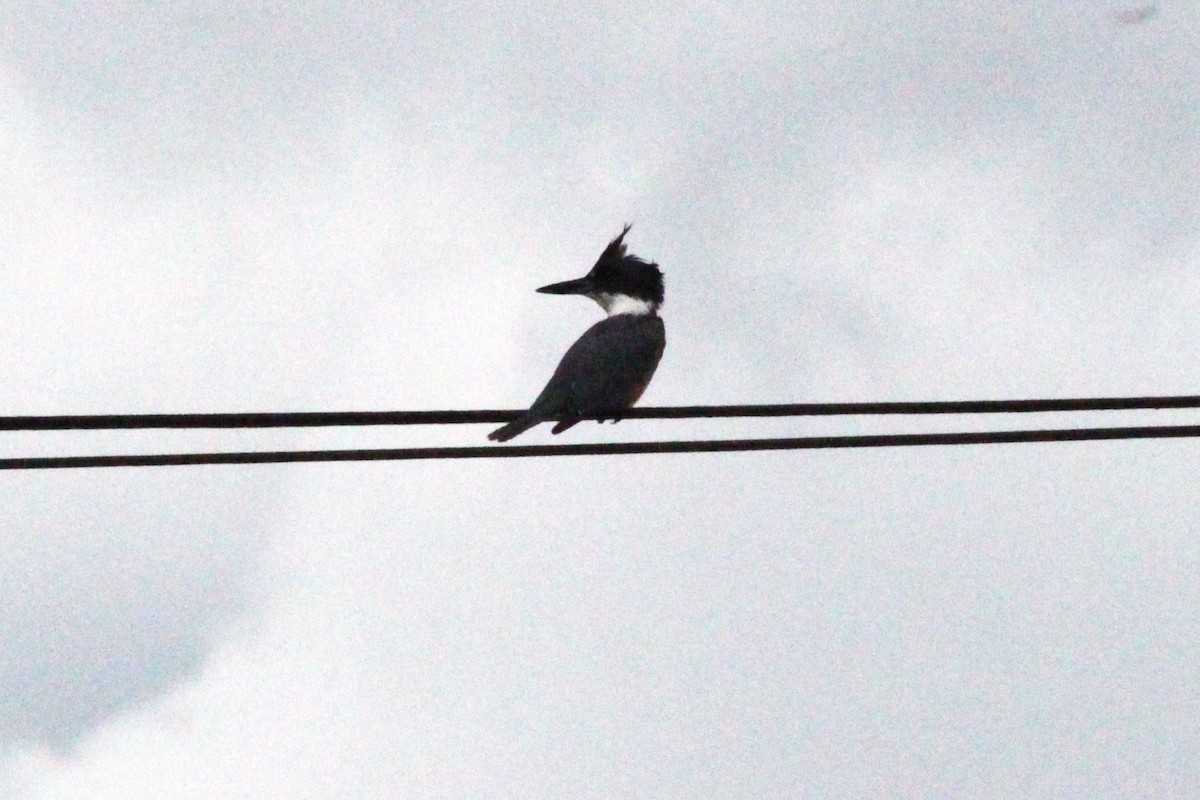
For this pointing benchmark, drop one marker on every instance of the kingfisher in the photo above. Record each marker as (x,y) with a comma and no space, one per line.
(611,364)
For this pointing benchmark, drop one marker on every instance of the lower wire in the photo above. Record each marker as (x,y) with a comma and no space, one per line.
(619,448)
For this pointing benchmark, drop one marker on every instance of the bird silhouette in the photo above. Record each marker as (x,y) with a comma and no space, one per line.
(611,364)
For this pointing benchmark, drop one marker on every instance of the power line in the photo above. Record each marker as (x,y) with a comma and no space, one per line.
(314,419)
(623,448)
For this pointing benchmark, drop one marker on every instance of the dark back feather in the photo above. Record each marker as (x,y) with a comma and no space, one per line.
(606,369)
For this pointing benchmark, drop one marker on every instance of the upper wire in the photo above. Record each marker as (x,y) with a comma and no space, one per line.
(315,419)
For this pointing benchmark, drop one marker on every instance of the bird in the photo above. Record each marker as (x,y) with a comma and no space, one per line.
(611,364)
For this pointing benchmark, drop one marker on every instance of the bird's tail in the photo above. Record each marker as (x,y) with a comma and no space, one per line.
(514,428)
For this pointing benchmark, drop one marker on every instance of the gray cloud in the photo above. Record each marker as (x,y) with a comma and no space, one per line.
(114,587)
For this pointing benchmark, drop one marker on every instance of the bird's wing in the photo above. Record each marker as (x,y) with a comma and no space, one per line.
(608,368)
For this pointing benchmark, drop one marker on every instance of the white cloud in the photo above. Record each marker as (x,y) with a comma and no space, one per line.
(319,209)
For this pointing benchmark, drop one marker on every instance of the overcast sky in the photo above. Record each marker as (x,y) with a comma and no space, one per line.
(300,207)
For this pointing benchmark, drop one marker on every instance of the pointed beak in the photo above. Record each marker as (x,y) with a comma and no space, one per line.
(578,286)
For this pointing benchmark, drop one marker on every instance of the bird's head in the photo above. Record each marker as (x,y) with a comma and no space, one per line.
(619,282)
